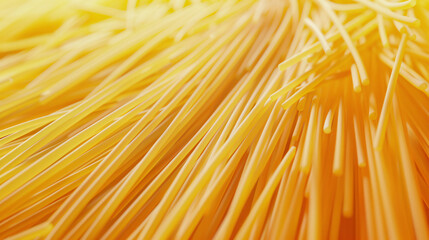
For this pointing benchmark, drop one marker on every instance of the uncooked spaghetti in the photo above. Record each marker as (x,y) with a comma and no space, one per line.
(199,119)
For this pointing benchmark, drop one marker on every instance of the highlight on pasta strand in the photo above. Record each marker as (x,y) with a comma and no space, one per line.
(231,119)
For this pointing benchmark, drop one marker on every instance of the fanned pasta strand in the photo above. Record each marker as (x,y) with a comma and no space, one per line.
(230,119)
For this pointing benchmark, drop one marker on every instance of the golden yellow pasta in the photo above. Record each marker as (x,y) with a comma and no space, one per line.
(204,119)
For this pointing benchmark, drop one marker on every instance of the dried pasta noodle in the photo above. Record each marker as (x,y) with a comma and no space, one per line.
(231,119)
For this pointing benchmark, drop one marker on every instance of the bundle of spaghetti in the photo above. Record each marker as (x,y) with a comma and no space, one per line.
(199,119)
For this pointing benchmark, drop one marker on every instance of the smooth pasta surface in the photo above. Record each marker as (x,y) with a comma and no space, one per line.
(204,119)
